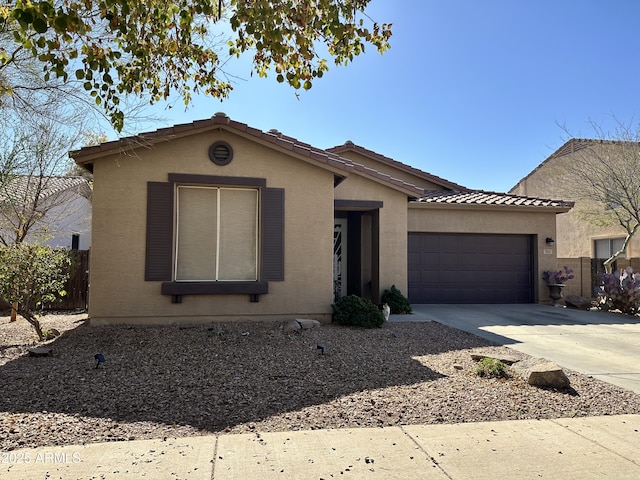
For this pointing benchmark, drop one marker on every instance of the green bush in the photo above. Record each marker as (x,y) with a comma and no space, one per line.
(491,368)
(396,301)
(358,312)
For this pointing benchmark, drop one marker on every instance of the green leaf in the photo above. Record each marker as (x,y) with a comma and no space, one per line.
(61,23)
(40,25)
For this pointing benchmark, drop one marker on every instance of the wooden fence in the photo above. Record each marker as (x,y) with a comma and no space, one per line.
(77,287)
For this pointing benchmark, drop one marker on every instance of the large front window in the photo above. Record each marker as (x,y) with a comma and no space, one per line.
(217,234)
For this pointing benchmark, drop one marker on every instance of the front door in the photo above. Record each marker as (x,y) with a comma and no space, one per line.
(339,258)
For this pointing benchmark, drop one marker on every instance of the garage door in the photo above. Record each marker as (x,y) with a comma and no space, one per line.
(470,268)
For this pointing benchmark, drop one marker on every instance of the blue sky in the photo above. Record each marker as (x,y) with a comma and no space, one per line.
(474,92)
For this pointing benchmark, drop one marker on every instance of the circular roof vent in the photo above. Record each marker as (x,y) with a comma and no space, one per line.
(221,153)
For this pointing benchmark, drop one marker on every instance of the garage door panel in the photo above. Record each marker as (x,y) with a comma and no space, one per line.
(430,259)
(448,259)
(470,268)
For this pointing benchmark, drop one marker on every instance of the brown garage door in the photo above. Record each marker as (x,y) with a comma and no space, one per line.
(470,268)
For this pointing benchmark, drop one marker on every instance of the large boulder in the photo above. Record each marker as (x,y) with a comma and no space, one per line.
(548,375)
(541,373)
(577,302)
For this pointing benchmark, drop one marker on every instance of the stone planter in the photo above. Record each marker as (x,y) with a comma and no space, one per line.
(555,292)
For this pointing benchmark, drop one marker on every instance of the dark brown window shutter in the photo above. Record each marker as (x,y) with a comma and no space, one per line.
(159,231)
(272,234)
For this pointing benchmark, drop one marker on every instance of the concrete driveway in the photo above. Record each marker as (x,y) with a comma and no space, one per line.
(603,345)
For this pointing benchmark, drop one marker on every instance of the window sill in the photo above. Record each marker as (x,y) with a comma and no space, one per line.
(215,288)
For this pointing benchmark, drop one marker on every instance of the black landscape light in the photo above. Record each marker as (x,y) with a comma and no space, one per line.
(100,358)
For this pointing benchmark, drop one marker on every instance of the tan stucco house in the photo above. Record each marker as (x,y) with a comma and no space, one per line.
(215,220)
(581,244)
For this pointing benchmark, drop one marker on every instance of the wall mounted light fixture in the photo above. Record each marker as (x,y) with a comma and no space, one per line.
(549,241)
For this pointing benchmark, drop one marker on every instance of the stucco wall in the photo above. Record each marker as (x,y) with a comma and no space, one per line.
(393,227)
(429,218)
(119,292)
(576,235)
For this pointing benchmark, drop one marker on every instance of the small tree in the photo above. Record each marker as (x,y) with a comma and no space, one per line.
(32,274)
(605,181)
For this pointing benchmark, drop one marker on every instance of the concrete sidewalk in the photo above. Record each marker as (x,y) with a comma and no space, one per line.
(572,448)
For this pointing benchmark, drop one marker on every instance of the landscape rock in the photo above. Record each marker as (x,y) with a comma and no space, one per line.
(506,359)
(292,327)
(577,302)
(307,323)
(158,384)
(40,352)
(548,375)
(541,373)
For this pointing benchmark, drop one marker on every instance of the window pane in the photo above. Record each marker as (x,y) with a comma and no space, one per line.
(196,237)
(602,248)
(616,244)
(238,234)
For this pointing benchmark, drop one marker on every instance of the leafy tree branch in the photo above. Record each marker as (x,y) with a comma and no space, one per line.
(117,48)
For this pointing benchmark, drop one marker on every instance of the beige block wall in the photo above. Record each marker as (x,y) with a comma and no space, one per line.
(581,283)
(118,290)
(393,226)
(427,218)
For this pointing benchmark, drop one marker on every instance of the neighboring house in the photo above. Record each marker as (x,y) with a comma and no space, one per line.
(581,244)
(56,206)
(215,220)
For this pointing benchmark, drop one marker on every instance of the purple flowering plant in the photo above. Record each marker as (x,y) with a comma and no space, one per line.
(559,277)
(620,291)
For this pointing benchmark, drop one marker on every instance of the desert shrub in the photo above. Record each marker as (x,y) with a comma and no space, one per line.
(620,290)
(396,301)
(358,312)
(491,368)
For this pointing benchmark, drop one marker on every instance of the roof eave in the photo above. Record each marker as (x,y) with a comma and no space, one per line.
(471,206)
(351,147)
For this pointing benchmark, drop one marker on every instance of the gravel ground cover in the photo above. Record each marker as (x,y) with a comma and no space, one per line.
(177,381)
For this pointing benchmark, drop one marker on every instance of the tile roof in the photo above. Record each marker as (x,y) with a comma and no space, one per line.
(482,198)
(273,137)
(350,146)
(26,186)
